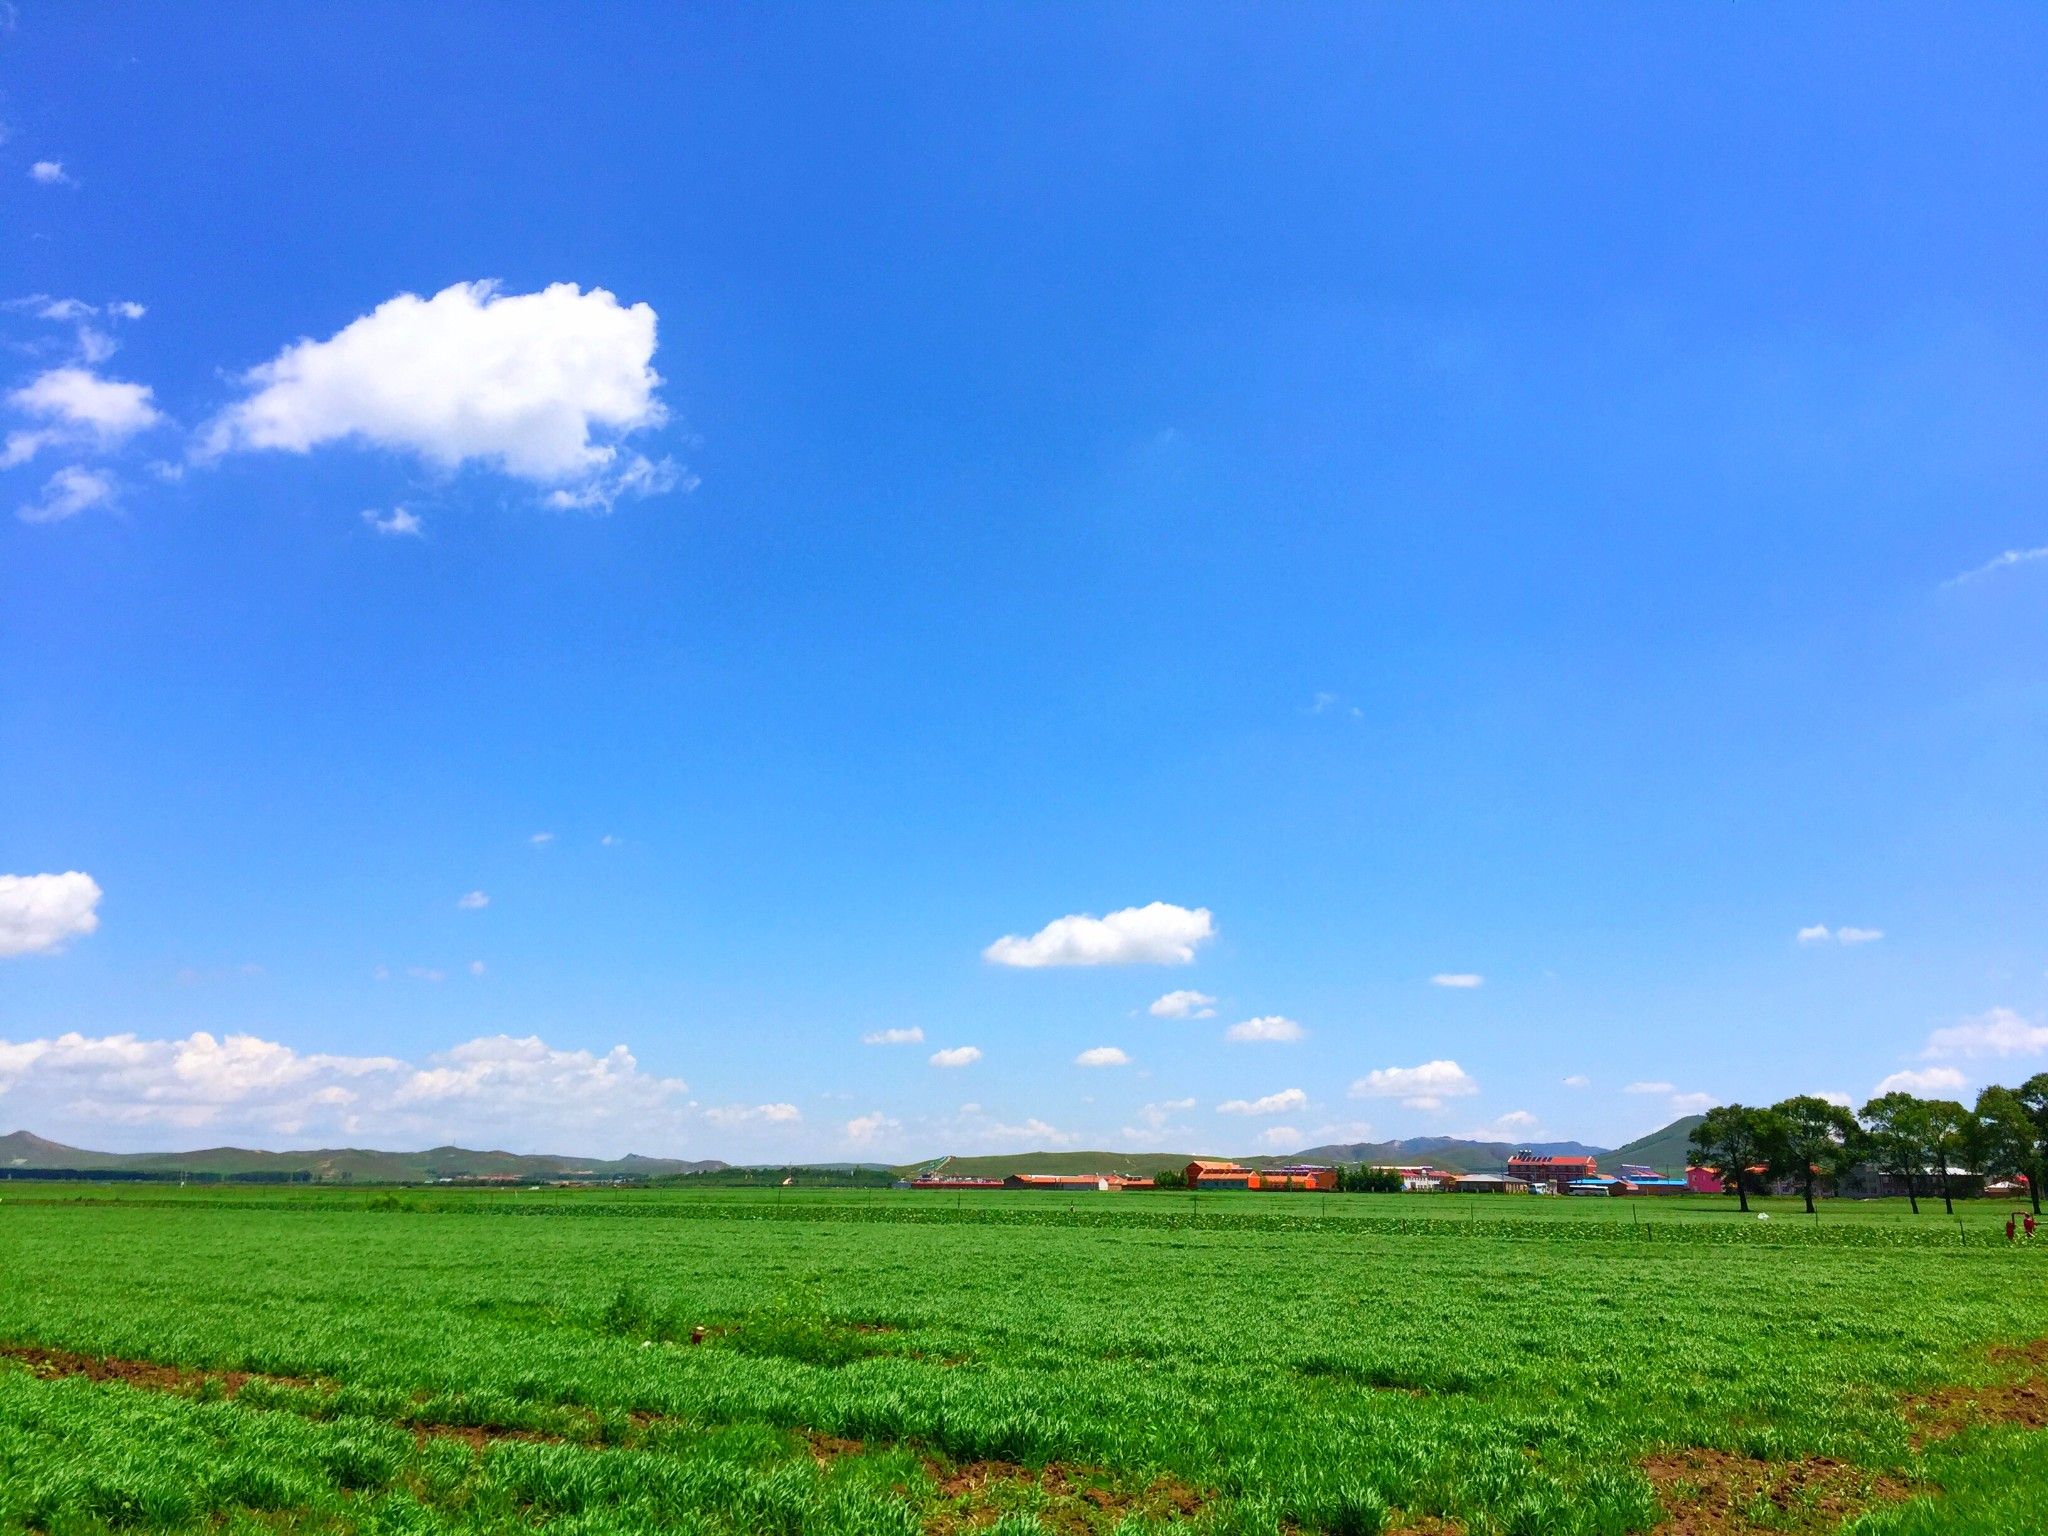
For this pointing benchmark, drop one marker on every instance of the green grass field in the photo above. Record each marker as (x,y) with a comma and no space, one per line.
(897,1363)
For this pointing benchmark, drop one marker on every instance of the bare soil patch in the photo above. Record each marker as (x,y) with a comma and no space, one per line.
(1073,1500)
(2021,1399)
(1717,1493)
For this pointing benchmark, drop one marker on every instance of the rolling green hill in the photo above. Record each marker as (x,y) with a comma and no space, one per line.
(25,1150)
(1663,1150)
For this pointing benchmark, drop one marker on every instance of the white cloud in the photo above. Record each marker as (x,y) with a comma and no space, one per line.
(1651,1088)
(427,973)
(1691,1103)
(1923,1081)
(541,839)
(1283,1102)
(609,841)
(537,385)
(477,968)
(1185,1004)
(2010,557)
(1578,1080)
(399,523)
(1270,1028)
(741,1114)
(50,173)
(956,1056)
(40,914)
(494,1090)
(70,491)
(1102,1056)
(77,407)
(1463,979)
(1156,1117)
(1423,1087)
(1515,1125)
(1845,935)
(911,1036)
(1279,1136)
(1158,934)
(864,1130)
(127,309)
(983,1130)
(1995,1032)
(1840,1100)
(473,901)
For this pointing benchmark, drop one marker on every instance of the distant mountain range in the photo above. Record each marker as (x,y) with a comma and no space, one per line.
(23,1150)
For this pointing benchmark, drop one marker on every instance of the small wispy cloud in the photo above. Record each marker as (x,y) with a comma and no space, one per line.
(1923,1081)
(473,901)
(397,523)
(51,173)
(1849,937)
(1184,1004)
(1461,979)
(1102,1056)
(956,1056)
(1272,1029)
(1283,1102)
(910,1036)
(2001,562)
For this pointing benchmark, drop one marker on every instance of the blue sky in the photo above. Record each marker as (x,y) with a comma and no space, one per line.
(1444,492)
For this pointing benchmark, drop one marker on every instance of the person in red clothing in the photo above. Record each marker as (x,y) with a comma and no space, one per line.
(2030,1226)
(2010,1229)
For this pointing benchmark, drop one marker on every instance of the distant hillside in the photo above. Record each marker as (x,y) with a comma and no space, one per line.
(1442,1151)
(24,1149)
(1448,1152)
(1662,1150)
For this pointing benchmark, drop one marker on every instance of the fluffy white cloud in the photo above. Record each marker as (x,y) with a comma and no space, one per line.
(865,1130)
(477,968)
(1927,1080)
(1284,1102)
(1280,1136)
(1423,1087)
(398,523)
(1156,1117)
(1817,934)
(495,1089)
(541,839)
(1185,1004)
(1578,1080)
(1460,979)
(473,901)
(537,385)
(40,914)
(50,173)
(1995,1032)
(1102,1056)
(77,407)
(1515,1125)
(1270,1028)
(984,1130)
(911,1036)
(1691,1103)
(956,1056)
(1158,934)
(1651,1088)
(1840,1100)
(740,1114)
(70,491)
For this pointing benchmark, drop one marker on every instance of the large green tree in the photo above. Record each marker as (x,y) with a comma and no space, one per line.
(1900,1138)
(1951,1137)
(2033,1094)
(2008,1143)
(1732,1138)
(1811,1139)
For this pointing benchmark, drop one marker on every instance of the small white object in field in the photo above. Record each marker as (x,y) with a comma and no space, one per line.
(1763,1215)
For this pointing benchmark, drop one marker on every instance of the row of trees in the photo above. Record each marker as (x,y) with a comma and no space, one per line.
(1808,1139)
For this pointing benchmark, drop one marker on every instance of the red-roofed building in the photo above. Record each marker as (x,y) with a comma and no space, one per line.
(1558,1172)
(1203,1174)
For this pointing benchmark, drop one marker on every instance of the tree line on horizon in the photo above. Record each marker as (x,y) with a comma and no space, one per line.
(1808,1139)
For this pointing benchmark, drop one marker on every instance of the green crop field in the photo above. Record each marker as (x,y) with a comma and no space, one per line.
(895,1363)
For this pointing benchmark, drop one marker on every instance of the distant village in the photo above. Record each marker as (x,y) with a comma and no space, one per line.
(1526,1173)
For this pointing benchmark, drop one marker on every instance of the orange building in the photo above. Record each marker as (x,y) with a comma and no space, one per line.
(1300,1176)
(1557,1172)
(1209,1175)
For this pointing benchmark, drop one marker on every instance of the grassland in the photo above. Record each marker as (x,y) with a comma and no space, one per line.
(887,1362)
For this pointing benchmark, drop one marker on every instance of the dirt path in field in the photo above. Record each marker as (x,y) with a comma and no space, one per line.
(1717,1493)
(2020,1398)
